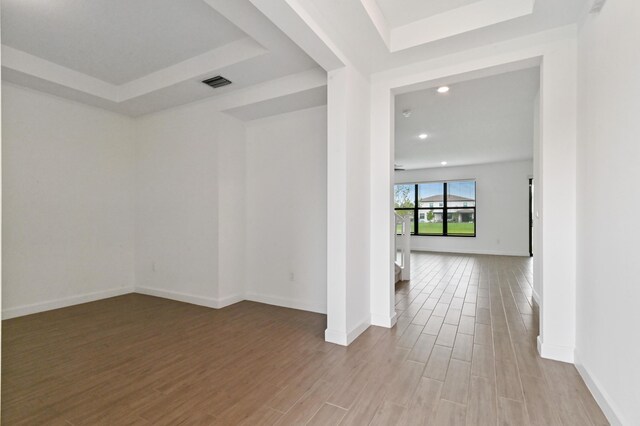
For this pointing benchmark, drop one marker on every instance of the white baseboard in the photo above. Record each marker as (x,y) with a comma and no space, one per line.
(471,251)
(536,297)
(285,302)
(229,300)
(209,302)
(358,330)
(384,320)
(609,408)
(345,339)
(65,302)
(335,336)
(555,352)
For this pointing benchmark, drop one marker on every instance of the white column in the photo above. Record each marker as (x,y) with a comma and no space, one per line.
(382,222)
(347,203)
(558,101)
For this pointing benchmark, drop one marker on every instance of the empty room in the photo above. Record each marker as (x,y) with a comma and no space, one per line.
(336,212)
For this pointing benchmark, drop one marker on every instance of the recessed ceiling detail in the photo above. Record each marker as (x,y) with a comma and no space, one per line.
(333,31)
(115,41)
(417,22)
(412,10)
(142,56)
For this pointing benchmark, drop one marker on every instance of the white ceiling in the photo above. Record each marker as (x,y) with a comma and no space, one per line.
(485,120)
(115,40)
(140,56)
(368,40)
(90,51)
(402,12)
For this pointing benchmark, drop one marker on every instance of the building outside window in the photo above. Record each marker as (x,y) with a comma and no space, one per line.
(439,208)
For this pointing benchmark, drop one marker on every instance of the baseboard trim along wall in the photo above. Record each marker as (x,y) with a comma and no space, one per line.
(285,302)
(536,298)
(335,336)
(485,252)
(65,302)
(209,302)
(384,321)
(345,339)
(602,398)
(357,331)
(216,303)
(555,352)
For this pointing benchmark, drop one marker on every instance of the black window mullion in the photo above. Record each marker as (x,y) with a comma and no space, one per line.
(445,212)
(415,210)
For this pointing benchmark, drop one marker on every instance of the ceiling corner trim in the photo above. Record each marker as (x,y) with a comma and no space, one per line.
(290,84)
(300,25)
(34,66)
(477,15)
(378,19)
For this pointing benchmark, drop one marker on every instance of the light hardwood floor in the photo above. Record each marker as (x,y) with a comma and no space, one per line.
(463,352)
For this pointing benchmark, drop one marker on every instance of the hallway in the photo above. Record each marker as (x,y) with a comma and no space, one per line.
(468,325)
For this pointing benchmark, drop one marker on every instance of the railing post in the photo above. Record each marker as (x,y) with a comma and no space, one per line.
(406,249)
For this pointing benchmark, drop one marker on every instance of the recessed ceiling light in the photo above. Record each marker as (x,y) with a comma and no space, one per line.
(406,113)
(443,89)
(444,163)
(423,136)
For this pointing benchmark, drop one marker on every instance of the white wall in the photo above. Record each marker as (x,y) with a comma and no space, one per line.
(68,218)
(189,205)
(231,138)
(502,208)
(286,256)
(608,347)
(98,204)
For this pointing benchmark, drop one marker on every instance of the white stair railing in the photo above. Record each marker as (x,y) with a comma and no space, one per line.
(403,245)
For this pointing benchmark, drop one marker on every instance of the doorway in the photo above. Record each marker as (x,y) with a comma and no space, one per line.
(555,142)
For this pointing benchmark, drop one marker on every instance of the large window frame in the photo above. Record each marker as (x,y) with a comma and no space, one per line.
(444,208)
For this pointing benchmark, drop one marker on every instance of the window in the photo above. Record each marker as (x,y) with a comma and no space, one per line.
(439,208)
(405,199)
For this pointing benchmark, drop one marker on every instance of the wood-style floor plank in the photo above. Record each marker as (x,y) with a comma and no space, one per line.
(327,415)
(482,408)
(388,414)
(450,414)
(438,363)
(511,412)
(423,403)
(421,351)
(456,383)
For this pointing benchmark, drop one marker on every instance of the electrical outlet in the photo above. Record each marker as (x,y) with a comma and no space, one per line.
(292,276)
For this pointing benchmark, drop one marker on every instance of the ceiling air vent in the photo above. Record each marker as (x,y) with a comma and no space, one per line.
(217,81)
